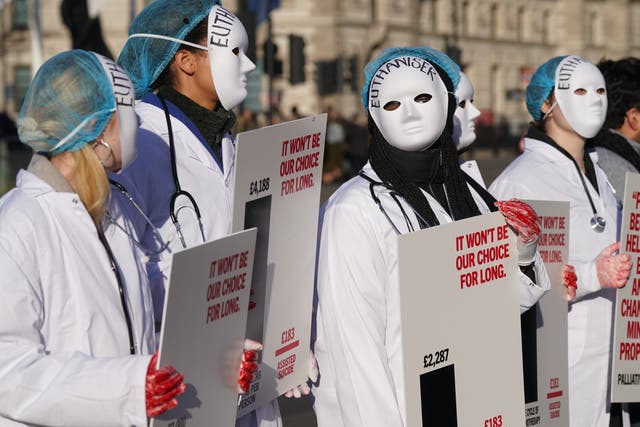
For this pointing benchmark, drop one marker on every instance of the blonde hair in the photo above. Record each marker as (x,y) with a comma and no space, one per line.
(91,182)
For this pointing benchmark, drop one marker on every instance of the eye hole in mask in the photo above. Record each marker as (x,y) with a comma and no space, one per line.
(581,91)
(423,98)
(463,103)
(236,51)
(391,105)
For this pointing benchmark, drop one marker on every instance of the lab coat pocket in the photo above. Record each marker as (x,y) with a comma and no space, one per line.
(577,324)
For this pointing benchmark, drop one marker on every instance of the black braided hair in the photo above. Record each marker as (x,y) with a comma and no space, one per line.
(460,199)
(623,88)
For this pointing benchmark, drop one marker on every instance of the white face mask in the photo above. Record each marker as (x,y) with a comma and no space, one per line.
(581,94)
(227,41)
(124,94)
(408,103)
(464,126)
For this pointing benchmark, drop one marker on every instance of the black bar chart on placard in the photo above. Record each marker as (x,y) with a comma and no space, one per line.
(257,213)
(438,395)
(528,329)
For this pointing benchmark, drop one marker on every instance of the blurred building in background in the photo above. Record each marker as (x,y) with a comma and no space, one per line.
(310,54)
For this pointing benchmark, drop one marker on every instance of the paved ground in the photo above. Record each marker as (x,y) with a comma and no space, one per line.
(299,412)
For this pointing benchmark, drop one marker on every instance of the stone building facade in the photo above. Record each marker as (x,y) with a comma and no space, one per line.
(500,43)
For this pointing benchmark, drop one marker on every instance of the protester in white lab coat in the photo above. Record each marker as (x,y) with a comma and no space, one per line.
(464,118)
(75,324)
(412,181)
(188,62)
(567,99)
(464,134)
(171,62)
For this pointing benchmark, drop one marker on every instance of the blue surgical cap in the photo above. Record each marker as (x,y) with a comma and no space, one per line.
(431,55)
(145,58)
(541,85)
(68,103)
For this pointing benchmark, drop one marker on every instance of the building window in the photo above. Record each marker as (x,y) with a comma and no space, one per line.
(22,80)
(493,21)
(591,28)
(521,22)
(635,24)
(466,18)
(428,16)
(20,14)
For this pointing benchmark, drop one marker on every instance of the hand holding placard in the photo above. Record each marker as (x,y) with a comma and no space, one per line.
(570,281)
(312,372)
(161,387)
(613,270)
(523,219)
(249,364)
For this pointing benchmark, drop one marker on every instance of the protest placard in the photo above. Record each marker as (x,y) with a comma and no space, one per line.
(461,324)
(203,328)
(278,179)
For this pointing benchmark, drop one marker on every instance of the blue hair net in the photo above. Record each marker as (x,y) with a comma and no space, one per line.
(68,103)
(432,55)
(144,58)
(541,85)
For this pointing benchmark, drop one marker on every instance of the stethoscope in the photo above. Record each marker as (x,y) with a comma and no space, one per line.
(173,213)
(483,193)
(597,222)
(121,291)
(395,196)
(158,237)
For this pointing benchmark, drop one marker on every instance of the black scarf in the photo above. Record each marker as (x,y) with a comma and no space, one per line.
(386,162)
(589,169)
(423,169)
(617,144)
(213,125)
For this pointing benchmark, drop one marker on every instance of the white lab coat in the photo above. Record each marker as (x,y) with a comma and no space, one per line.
(150,177)
(544,173)
(131,260)
(64,345)
(202,177)
(358,343)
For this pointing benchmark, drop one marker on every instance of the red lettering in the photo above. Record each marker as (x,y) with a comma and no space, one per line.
(503,232)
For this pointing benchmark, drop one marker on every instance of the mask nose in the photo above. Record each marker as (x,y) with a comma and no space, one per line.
(410,112)
(474,113)
(594,100)
(246,65)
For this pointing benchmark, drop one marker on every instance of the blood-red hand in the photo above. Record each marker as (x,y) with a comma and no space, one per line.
(161,387)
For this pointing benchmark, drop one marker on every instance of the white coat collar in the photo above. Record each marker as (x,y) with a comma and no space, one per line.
(192,144)
(41,167)
(542,148)
(550,153)
(40,180)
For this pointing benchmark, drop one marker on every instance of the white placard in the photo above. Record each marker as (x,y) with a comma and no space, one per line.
(544,326)
(203,327)
(278,179)
(625,370)
(461,325)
